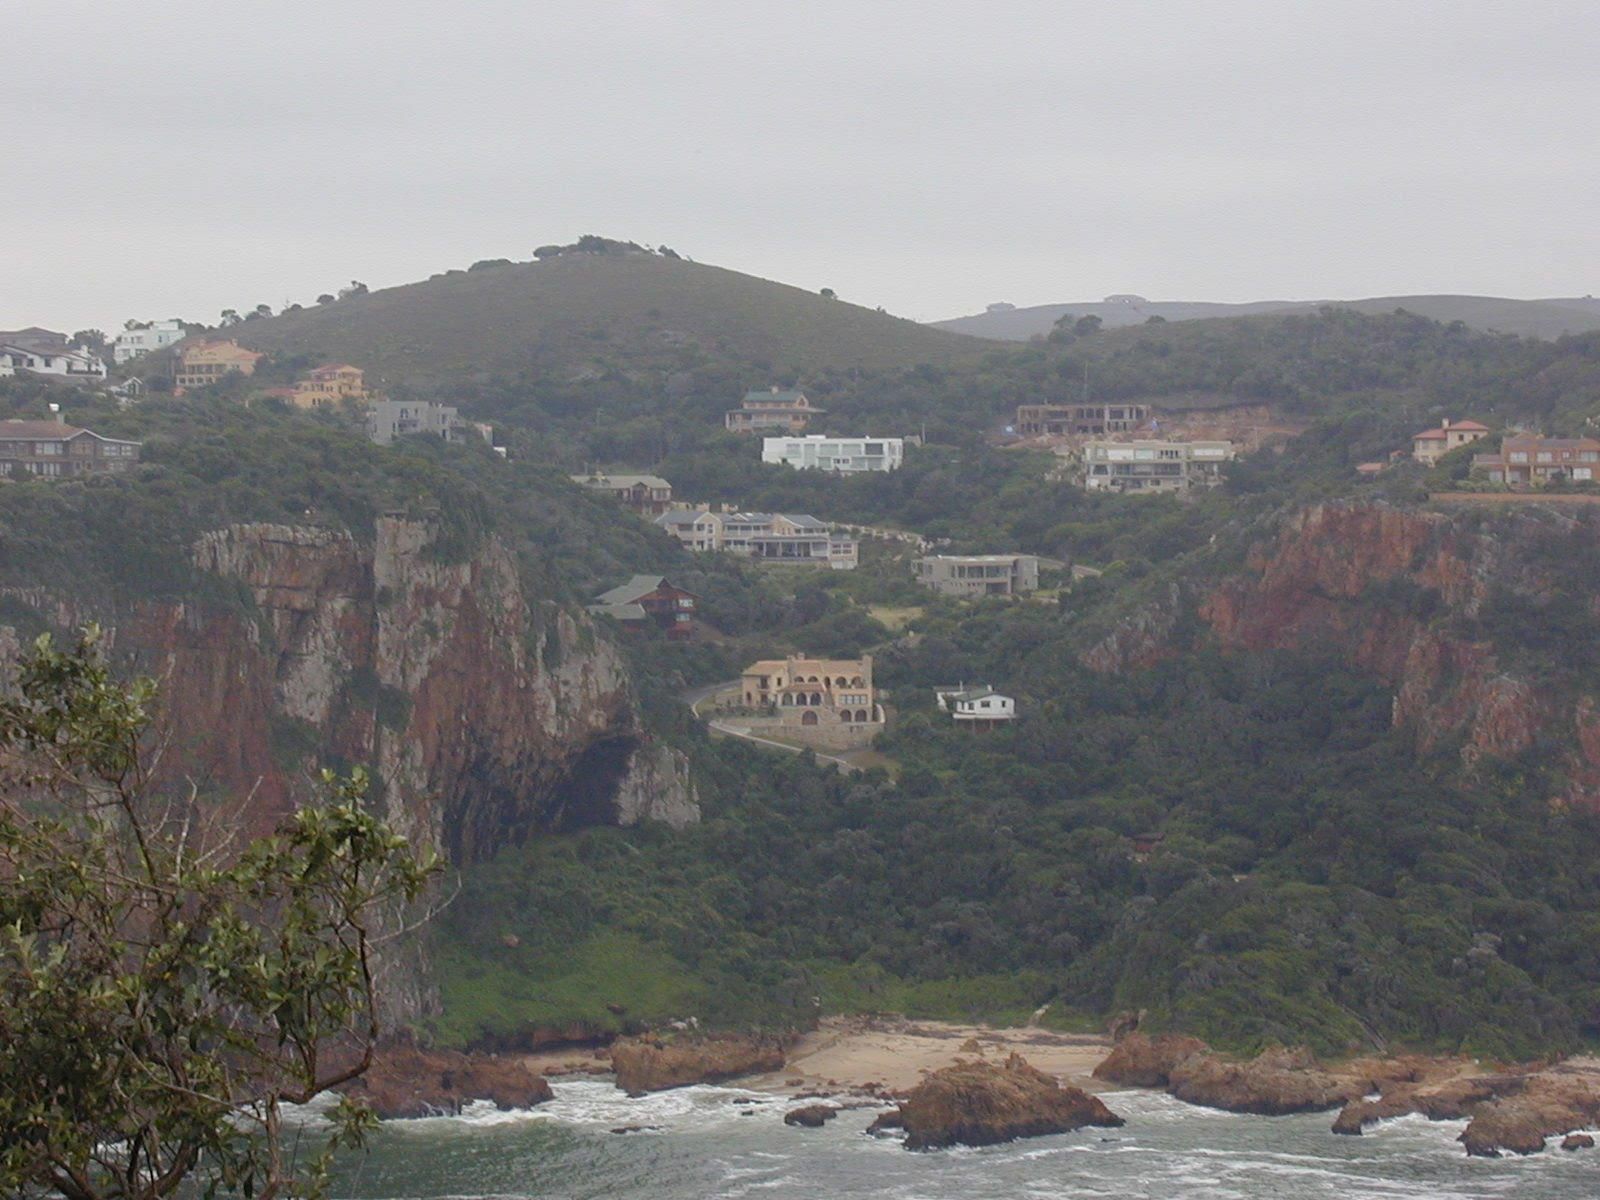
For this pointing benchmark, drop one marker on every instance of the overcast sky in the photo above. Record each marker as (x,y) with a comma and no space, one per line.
(178,158)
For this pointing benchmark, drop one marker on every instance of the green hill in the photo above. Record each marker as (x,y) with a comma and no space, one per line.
(1527,318)
(581,314)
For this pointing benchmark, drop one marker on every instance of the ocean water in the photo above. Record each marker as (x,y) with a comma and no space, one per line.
(700,1144)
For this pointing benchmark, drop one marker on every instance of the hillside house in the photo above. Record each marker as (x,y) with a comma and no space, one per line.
(140,339)
(966,576)
(774,409)
(1079,420)
(391,419)
(1529,460)
(822,701)
(817,452)
(207,362)
(52,450)
(647,495)
(650,599)
(330,386)
(46,352)
(793,538)
(1429,446)
(976,707)
(1154,466)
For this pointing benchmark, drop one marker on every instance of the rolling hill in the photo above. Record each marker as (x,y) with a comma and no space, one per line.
(1528,318)
(581,314)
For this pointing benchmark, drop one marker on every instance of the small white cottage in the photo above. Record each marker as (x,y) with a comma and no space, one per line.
(980,706)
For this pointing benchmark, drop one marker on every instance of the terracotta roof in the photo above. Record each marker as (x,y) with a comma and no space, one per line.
(1430,435)
(1469,425)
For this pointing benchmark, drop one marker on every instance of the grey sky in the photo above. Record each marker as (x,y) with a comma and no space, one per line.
(178,158)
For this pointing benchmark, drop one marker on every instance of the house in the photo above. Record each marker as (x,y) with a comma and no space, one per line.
(330,386)
(46,352)
(390,419)
(1154,466)
(142,337)
(969,575)
(766,537)
(822,701)
(1429,446)
(814,451)
(1529,460)
(976,707)
(1079,420)
(775,408)
(650,599)
(207,362)
(647,495)
(53,450)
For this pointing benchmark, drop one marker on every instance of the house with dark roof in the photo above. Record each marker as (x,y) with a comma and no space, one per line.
(46,352)
(52,450)
(1429,446)
(776,409)
(647,495)
(978,707)
(649,599)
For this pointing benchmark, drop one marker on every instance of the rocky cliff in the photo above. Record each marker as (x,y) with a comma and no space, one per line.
(1480,622)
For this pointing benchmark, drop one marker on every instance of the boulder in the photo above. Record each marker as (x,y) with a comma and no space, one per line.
(1141,1061)
(1275,1082)
(1548,1104)
(407,1081)
(1449,1100)
(654,1063)
(981,1103)
(812,1116)
(886,1121)
(1578,1141)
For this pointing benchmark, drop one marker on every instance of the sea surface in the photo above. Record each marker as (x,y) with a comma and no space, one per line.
(699,1144)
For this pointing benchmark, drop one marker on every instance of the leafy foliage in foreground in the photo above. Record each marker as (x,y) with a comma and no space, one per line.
(163,993)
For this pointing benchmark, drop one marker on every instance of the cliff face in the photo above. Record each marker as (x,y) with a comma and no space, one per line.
(1412,597)
(482,714)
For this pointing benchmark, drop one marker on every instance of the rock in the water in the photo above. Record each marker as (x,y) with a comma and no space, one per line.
(1578,1141)
(1273,1083)
(407,1081)
(1141,1061)
(653,1064)
(812,1116)
(979,1104)
(886,1121)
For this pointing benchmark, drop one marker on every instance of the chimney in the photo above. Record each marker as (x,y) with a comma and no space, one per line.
(1445,424)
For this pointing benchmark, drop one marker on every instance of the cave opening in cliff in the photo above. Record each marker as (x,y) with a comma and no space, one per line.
(587,794)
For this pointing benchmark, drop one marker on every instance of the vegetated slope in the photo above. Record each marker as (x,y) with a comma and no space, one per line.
(599,312)
(1529,318)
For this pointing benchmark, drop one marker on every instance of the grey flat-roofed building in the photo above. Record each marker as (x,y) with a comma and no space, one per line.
(968,575)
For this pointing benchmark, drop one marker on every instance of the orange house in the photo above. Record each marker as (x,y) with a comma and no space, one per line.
(326,387)
(204,363)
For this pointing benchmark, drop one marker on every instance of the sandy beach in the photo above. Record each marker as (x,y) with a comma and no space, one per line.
(887,1053)
(895,1053)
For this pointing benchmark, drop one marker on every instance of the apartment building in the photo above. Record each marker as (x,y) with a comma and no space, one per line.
(818,452)
(1154,466)
(1429,446)
(792,538)
(53,450)
(1079,420)
(142,337)
(1529,460)
(207,362)
(966,576)
(773,409)
(391,419)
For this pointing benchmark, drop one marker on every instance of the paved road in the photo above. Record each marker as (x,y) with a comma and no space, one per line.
(695,697)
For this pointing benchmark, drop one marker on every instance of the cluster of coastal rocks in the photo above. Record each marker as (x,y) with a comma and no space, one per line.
(1515,1110)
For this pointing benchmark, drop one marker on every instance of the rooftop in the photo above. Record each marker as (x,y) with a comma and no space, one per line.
(619,481)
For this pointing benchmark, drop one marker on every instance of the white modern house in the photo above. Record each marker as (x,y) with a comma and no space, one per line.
(980,707)
(391,419)
(793,538)
(1148,465)
(820,452)
(139,339)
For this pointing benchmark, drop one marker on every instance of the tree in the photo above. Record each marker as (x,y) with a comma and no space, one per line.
(230,316)
(1086,325)
(163,991)
(90,339)
(261,310)
(356,288)
(829,294)
(325,298)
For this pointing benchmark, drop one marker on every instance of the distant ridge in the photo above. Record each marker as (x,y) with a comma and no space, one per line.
(1528,318)
(580,314)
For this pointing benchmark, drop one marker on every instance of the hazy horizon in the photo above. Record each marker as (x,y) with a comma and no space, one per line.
(927,158)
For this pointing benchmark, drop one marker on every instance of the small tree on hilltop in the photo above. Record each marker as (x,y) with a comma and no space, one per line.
(163,994)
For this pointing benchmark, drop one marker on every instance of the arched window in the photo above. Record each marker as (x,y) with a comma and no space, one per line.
(816,697)
(840,682)
(788,700)
(809,718)
(856,682)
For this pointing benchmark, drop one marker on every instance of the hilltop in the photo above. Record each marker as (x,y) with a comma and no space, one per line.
(580,315)
(1527,318)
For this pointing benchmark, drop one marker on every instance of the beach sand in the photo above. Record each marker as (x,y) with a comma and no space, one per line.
(894,1053)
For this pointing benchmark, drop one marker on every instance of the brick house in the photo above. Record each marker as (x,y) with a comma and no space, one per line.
(650,599)
(1529,460)
(1429,446)
(647,495)
(776,410)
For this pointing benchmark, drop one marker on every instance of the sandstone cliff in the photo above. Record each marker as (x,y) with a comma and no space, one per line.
(1440,605)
